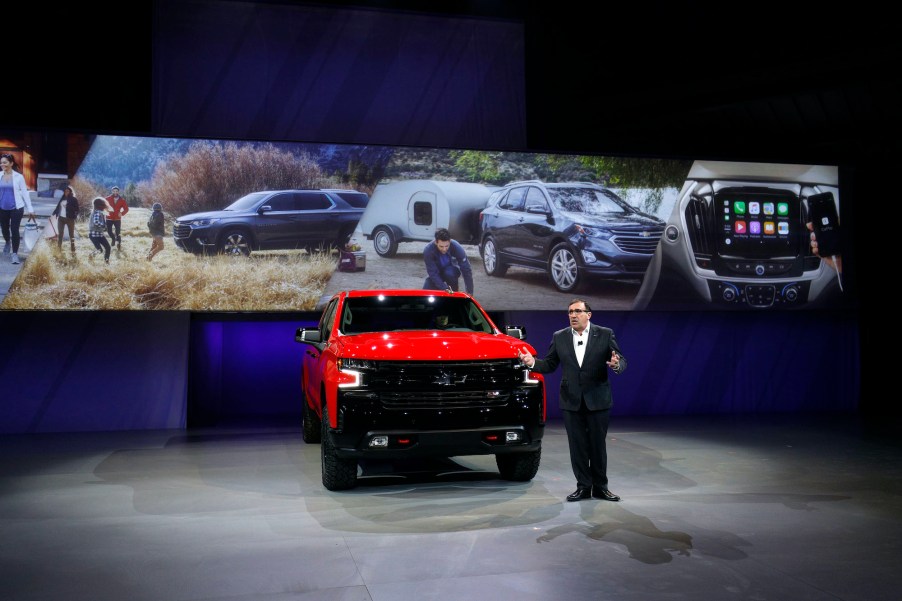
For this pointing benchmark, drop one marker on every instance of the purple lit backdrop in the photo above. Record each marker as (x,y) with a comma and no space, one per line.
(679,363)
(92,371)
(114,371)
(722,362)
(245,371)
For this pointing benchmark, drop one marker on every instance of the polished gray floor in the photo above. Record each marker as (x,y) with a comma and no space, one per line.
(790,508)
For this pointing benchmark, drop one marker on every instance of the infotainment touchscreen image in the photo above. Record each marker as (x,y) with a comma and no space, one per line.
(758,224)
(738,237)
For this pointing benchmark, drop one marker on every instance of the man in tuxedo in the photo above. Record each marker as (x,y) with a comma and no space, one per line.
(585,351)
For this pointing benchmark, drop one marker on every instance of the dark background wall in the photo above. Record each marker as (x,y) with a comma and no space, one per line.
(687,80)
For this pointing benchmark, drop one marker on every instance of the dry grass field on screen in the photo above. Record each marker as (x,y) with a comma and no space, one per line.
(174,280)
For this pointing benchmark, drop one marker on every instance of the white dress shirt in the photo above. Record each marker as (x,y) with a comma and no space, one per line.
(580,341)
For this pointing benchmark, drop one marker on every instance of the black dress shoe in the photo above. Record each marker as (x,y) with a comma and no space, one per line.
(605,494)
(579,494)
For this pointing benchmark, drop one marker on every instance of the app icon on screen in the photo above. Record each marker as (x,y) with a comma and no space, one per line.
(769,227)
(754,208)
(739,207)
(783,228)
(754,227)
(739,227)
(783,208)
(768,208)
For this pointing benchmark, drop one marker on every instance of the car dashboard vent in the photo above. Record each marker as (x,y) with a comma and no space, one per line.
(700,227)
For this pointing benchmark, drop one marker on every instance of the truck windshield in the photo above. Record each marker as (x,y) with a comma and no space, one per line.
(393,313)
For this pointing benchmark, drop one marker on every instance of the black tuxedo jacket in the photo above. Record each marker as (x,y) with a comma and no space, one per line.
(589,382)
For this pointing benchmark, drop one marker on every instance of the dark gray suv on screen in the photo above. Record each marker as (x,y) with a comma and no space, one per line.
(273,220)
(570,230)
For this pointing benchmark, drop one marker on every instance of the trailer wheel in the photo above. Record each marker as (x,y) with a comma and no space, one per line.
(384,241)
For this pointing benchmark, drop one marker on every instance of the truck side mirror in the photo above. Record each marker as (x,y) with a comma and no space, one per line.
(307,335)
(518,332)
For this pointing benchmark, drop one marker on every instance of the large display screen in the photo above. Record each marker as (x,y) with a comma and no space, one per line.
(247,226)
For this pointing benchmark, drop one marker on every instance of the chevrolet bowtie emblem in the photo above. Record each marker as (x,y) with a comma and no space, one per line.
(447,379)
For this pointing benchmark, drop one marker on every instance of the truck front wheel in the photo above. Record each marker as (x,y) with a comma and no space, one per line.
(338,473)
(519,467)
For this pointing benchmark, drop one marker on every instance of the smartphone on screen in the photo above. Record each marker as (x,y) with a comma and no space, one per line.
(823,217)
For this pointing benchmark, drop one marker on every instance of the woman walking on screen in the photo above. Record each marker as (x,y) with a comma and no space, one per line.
(66,213)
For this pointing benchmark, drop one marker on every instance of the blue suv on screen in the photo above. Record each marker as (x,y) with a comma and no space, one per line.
(571,230)
(273,220)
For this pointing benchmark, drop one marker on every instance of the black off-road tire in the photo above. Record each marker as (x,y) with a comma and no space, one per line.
(338,473)
(313,427)
(519,467)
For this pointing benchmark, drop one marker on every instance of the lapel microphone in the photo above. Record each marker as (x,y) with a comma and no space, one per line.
(579,343)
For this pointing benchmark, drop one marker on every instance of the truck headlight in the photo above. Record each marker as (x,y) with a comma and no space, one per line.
(350,372)
(349,378)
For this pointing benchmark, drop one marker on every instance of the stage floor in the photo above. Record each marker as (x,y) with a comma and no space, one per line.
(792,508)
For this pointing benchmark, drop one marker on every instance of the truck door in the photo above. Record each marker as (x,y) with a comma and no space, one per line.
(421,215)
(313,361)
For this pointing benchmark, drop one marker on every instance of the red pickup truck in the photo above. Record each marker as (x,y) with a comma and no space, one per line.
(414,373)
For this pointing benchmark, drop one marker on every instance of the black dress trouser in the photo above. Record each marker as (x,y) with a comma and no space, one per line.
(586,433)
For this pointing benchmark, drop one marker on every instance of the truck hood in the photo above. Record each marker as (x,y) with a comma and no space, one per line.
(431,345)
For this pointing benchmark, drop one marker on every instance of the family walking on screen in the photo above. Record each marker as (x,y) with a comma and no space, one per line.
(103,218)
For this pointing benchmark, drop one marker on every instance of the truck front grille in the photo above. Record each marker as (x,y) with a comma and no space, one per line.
(437,385)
